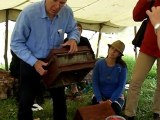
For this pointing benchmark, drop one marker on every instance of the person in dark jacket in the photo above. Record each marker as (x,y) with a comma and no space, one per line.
(83,42)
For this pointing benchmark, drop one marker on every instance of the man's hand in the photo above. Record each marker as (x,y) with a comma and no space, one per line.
(39,67)
(154,15)
(73,46)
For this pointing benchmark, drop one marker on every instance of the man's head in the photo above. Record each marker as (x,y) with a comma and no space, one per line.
(54,6)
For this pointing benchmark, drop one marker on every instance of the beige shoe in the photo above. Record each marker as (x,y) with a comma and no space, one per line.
(37,119)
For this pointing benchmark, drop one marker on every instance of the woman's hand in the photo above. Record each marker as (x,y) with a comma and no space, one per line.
(109,101)
(100,102)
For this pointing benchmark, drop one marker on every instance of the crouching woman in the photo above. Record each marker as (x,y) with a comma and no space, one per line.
(109,77)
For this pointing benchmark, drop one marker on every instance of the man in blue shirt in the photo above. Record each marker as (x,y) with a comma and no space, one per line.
(39,28)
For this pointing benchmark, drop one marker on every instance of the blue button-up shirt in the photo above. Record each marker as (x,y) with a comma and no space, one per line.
(35,34)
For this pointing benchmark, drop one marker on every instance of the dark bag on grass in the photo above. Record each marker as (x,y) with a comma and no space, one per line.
(137,41)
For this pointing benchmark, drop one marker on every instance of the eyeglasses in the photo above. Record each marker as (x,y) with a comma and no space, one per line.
(59,2)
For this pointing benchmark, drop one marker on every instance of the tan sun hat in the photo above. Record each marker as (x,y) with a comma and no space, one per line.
(119,45)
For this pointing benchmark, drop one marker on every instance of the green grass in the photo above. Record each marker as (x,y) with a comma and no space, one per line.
(146,100)
(8,108)
(130,64)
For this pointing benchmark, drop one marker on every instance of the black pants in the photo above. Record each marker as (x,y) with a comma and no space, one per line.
(28,89)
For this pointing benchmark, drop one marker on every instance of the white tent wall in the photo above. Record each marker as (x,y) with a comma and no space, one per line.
(126,35)
(100,26)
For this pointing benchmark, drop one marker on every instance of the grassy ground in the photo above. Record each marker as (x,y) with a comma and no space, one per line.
(8,108)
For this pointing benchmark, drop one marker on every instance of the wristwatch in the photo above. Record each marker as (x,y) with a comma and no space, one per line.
(157,27)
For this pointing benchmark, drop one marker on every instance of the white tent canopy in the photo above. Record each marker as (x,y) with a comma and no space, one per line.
(6,4)
(104,15)
(97,15)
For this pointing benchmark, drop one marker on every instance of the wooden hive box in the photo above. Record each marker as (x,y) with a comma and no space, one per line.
(94,112)
(6,84)
(65,69)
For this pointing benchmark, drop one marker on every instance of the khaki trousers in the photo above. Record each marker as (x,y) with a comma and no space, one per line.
(141,69)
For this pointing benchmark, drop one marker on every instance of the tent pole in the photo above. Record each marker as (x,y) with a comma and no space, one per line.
(99,38)
(6,41)
(135,48)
